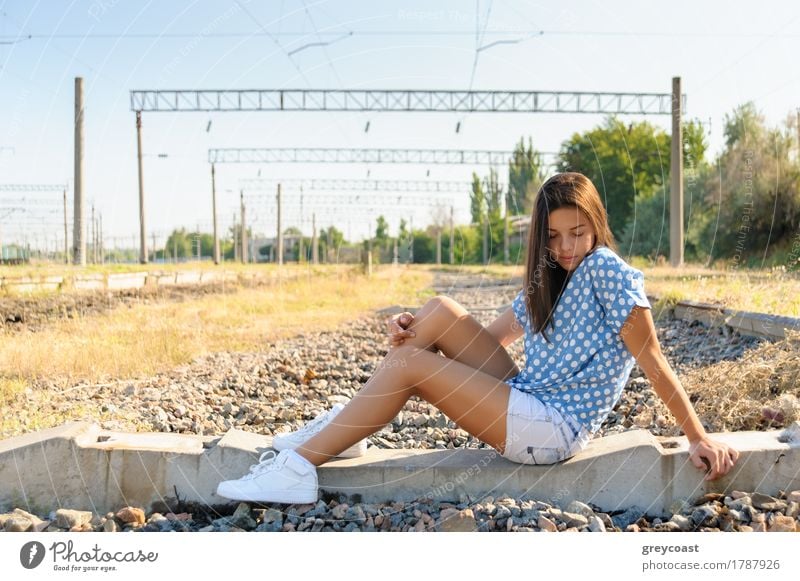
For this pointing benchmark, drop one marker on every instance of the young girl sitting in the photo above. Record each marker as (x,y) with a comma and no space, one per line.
(585,319)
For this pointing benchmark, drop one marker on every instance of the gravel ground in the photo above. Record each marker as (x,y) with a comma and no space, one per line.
(294,380)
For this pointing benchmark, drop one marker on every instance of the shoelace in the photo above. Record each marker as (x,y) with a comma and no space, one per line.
(265,464)
(316,424)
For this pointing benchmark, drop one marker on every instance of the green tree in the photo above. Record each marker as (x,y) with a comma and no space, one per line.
(382,230)
(477,200)
(622,161)
(180,243)
(525,177)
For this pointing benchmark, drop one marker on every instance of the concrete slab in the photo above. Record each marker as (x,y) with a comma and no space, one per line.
(127,280)
(89,282)
(81,466)
(187,277)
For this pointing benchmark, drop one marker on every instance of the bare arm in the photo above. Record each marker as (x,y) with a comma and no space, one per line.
(639,335)
(505,328)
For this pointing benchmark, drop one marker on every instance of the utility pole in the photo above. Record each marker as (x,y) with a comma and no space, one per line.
(452,239)
(214,212)
(301,255)
(676,184)
(411,246)
(506,252)
(244,229)
(314,250)
(100,241)
(66,237)
(485,220)
(438,244)
(279,237)
(94,236)
(79,229)
(142,236)
(235,241)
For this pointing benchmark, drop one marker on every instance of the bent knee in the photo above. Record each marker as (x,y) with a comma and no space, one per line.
(444,305)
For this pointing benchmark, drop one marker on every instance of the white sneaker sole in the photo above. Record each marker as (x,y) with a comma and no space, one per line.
(281,496)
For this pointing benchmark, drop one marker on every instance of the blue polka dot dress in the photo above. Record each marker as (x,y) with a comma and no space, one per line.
(585,367)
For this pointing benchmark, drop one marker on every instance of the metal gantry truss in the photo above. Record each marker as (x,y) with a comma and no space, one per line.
(391,100)
(261,184)
(31,218)
(355,155)
(404,100)
(33,187)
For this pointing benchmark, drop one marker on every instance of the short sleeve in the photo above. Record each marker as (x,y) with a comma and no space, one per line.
(618,287)
(518,305)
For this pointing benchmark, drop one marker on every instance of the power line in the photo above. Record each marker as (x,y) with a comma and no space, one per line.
(7,39)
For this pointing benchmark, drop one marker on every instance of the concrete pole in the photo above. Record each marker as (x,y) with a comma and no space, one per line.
(676,183)
(66,236)
(214,212)
(142,235)
(411,246)
(100,241)
(506,252)
(279,237)
(301,254)
(244,230)
(314,250)
(94,238)
(438,245)
(485,221)
(235,241)
(79,228)
(452,239)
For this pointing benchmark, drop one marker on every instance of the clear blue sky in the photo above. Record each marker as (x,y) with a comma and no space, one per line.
(726,53)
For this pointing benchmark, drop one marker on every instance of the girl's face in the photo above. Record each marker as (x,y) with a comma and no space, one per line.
(571,236)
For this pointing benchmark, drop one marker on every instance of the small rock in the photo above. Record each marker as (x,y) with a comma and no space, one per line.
(629,516)
(596,525)
(241,518)
(704,515)
(574,520)
(793,509)
(546,524)
(463,521)
(272,515)
(18,524)
(793,496)
(110,526)
(766,502)
(578,507)
(683,523)
(783,524)
(66,518)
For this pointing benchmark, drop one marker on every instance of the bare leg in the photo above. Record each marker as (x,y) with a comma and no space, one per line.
(477,400)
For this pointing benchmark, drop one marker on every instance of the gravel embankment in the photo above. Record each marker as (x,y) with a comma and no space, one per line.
(294,380)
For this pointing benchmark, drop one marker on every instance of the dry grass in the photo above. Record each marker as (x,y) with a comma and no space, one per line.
(759,392)
(760,292)
(148,339)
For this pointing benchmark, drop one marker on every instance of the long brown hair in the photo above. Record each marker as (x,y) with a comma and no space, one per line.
(544,278)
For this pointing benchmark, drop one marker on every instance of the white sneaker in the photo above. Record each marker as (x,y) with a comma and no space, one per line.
(292,440)
(286,477)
